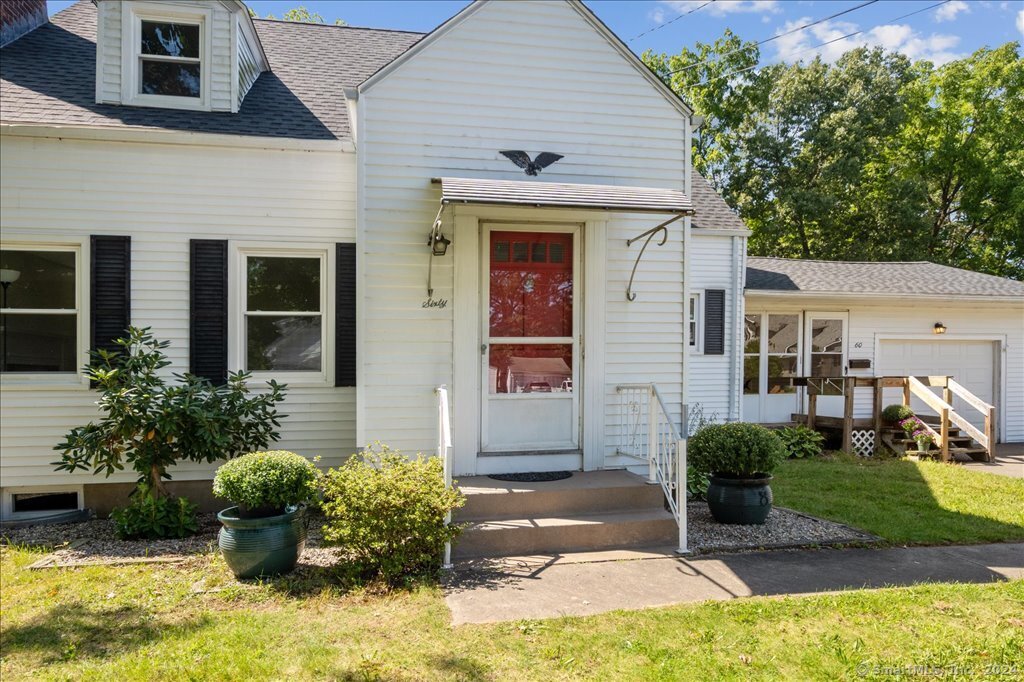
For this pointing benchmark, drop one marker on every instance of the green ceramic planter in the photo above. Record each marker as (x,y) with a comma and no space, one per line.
(740,500)
(262,547)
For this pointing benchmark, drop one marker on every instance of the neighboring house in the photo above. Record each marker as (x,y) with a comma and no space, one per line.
(268,196)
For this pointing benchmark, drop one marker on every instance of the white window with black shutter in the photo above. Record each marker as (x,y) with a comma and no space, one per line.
(44,319)
(281,324)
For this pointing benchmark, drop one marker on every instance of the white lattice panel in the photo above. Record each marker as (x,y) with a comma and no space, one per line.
(863,442)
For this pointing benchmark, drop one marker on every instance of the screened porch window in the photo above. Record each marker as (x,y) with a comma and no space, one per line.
(751,354)
(39,316)
(284,313)
(783,347)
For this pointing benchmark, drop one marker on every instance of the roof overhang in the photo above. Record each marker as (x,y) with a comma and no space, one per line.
(881,298)
(563,195)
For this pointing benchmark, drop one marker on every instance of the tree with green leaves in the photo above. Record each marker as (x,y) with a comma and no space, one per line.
(150,424)
(301,15)
(719,82)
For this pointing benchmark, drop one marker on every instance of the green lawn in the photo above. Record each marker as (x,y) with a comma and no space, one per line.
(905,502)
(194,622)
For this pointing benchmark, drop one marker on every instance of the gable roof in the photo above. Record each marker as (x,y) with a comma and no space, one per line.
(712,212)
(48,77)
(842,278)
(602,29)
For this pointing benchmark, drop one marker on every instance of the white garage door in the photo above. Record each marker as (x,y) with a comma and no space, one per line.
(971,363)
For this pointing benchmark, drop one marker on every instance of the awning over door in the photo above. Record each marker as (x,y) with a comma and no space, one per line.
(563,195)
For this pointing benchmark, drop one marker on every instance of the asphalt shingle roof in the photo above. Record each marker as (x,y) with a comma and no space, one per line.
(48,76)
(839,277)
(711,210)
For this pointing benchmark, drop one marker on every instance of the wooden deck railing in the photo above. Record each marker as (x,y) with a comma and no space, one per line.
(948,416)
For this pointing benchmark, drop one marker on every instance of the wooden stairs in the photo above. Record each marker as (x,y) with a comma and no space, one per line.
(962,448)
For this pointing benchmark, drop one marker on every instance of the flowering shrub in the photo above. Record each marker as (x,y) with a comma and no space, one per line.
(910,425)
(924,439)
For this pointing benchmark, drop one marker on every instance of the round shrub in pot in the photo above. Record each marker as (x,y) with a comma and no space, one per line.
(265,532)
(894,414)
(740,458)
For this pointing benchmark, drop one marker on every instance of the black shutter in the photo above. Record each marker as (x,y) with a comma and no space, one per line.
(208,309)
(110,296)
(345,316)
(714,322)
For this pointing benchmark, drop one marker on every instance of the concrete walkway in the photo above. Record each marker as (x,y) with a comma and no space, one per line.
(547,587)
(1009,461)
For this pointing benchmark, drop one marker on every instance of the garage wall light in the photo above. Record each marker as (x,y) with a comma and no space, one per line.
(939,328)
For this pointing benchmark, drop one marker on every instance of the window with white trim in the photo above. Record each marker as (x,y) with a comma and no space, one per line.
(40,311)
(165,52)
(693,319)
(284,306)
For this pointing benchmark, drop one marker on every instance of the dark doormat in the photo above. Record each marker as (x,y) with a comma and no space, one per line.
(534,477)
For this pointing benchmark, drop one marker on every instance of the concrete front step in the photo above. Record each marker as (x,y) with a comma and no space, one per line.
(582,493)
(559,534)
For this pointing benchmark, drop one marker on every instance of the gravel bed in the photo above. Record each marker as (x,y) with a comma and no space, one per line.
(94,541)
(784,528)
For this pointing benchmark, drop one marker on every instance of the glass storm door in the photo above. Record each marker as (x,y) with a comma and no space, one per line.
(530,343)
(825,347)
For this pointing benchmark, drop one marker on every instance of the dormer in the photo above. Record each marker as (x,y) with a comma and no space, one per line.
(176,54)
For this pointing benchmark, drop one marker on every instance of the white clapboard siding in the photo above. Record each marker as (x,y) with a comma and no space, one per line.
(533,76)
(163,196)
(248,63)
(220,64)
(870,324)
(711,382)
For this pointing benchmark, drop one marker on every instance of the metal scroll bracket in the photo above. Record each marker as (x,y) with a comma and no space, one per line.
(649,234)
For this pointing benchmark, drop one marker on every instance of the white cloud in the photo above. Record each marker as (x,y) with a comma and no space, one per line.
(724,7)
(949,11)
(657,15)
(1020,21)
(937,47)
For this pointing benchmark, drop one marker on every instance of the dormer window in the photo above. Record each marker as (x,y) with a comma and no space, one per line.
(164,50)
(169,59)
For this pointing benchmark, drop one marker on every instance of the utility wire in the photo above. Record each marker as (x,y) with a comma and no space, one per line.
(671,21)
(768,40)
(827,42)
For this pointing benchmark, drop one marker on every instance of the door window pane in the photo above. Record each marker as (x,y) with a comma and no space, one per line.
(283,343)
(529,368)
(531,298)
(827,336)
(283,284)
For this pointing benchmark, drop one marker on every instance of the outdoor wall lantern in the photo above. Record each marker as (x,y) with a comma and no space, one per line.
(940,328)
(438,244)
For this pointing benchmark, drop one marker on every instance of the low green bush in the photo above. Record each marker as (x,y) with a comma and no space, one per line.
(696,484)
(738,450)
(801,441)
(151,517)
(388,511)
(893,414)
(269,481)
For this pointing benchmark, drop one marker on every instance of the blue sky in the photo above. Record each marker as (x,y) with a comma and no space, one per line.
(954,29)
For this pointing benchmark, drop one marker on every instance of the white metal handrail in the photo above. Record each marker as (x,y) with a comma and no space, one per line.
(648,434)
(444,453)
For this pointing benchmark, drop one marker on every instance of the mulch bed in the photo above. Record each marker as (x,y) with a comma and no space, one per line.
(93,542)
(784,528)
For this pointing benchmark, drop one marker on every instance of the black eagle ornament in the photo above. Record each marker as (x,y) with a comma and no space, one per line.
(522,159)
